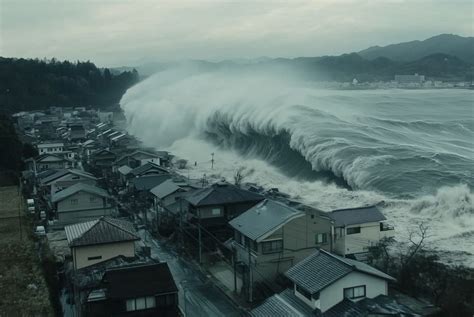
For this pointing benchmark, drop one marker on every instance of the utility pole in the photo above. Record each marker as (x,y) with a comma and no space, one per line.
(199,237)
(250,276)
(212,160)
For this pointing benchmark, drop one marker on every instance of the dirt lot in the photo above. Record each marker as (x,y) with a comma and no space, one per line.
(22,285)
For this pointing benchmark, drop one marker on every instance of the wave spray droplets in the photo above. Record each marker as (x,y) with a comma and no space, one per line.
(410,149)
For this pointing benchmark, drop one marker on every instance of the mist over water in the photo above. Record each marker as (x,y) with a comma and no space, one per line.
(410,151)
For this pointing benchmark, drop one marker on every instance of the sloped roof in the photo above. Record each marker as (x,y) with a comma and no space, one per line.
(63,172)
(322,269)
(124,170)
(100,231)
(219,194)
(147,182)
(49,155)
(352,216)
(283,304)
(146,167)
(58,196)
(264,218)
(139,280)
(346,308)
(164,189)
(46,173)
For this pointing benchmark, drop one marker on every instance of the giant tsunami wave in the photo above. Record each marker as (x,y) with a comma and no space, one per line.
(413,149)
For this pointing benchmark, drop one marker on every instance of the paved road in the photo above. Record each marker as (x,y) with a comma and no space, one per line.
(197,295)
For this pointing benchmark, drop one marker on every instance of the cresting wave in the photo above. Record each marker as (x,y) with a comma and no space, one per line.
(405,148)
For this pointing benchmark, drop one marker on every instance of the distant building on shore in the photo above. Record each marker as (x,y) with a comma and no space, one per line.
(410,79)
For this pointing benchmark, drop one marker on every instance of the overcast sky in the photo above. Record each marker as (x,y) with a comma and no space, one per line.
(115,33)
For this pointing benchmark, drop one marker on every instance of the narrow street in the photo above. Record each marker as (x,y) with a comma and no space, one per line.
(197,295)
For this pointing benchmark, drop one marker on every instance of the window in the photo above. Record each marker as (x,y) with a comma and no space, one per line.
(130,305)
(91,258)
(321,238)
(166,300)
(92,199)
(216,211)
(353,230)
(272,246)
(354,292)
(150,302)
(140,303)
(73,201)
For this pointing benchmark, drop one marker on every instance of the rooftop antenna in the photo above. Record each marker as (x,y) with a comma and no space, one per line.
(212,160)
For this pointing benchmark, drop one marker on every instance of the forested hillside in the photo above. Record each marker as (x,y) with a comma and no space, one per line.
(27,84)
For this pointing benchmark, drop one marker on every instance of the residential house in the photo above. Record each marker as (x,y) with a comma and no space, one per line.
(64,178)
(81,202)
(50,161)
(88,147)
(137,158)
(170,191)
(146,182)
(356,229)
(135,290)
(50,147)
(168,198)
(77,132)
(103,160)
(99,240)
(215,205)
(273,237)
(120,140)
(124,174)
(147,169)
(325,284)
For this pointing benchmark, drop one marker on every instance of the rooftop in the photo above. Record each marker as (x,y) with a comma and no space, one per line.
(263,219)
(63,172)
(147,182)
(148,167)
(222,193)
(139,280)
(322,268)
(283,304)
(166,188)
(353,216)
(100,231)
(58,196)
(124,170)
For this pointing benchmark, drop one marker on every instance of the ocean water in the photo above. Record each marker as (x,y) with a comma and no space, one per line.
(409,151)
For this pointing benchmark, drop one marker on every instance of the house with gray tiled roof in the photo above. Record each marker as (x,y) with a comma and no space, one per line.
(215,205)
(272,237)
(81,202)
(64,178)
(98,240)
(356,229)
(325,284)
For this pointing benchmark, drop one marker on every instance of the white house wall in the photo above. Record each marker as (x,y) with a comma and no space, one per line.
(369,235)
(106,251)
(334,293)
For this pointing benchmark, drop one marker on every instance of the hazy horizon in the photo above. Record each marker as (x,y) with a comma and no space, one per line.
(127,33)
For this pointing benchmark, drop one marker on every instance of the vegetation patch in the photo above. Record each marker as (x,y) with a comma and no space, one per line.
(24,290)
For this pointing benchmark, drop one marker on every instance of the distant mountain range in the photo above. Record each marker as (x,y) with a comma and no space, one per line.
(442,57)
(455,45)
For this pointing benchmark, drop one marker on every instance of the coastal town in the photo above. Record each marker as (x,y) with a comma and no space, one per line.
(131,235)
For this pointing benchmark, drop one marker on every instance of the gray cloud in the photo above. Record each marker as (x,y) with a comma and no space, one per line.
(116,33)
